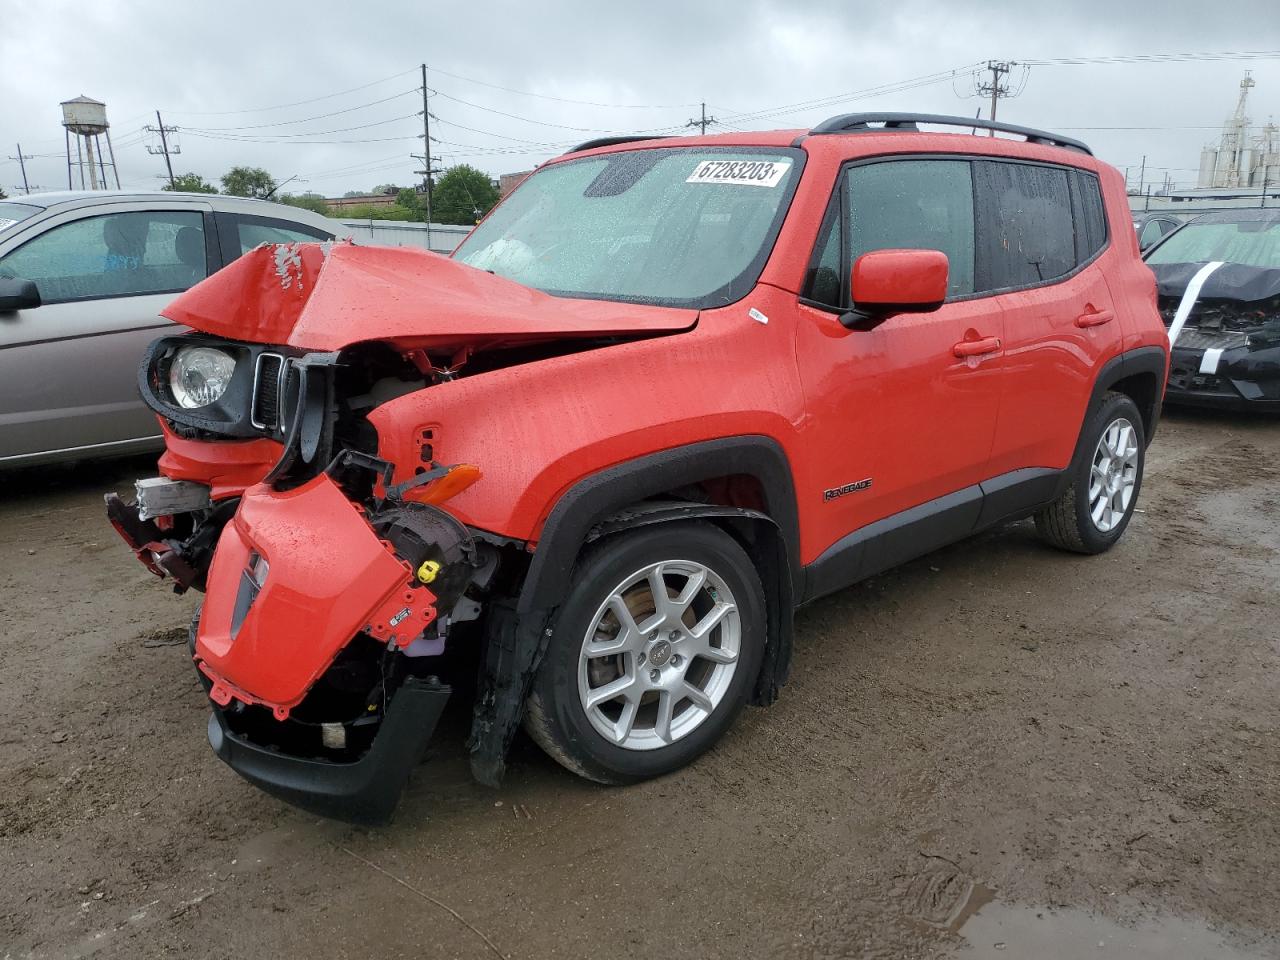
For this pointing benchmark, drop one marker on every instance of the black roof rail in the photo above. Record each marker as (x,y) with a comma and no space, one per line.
(611,141)
(908,122)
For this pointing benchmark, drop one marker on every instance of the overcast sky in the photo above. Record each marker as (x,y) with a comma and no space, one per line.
(233,78)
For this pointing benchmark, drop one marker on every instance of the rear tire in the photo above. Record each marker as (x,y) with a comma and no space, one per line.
(682,665)
(1093,512)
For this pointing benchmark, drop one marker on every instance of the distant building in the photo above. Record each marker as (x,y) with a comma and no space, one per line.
(509,181)
(1240,160)
(338,204)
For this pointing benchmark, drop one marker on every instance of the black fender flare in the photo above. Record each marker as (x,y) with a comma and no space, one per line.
(1152,360)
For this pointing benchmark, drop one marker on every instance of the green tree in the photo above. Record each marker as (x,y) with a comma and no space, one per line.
(462,195)
(247,182)
(190,183)
(408,199)
(307,201)
(3,195)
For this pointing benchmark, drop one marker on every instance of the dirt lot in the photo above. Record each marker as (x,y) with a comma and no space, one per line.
(998,750)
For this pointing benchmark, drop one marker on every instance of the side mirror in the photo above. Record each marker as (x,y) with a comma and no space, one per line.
(18,294)
(886,282)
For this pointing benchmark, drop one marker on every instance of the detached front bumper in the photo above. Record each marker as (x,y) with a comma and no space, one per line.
(364,791)
(1234,379)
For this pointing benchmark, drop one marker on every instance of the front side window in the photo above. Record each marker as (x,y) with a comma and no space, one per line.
(1250,239)
(674,226)
(119,254)
(1026,233)
(915,205)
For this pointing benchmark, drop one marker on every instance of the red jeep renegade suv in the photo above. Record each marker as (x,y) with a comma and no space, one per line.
(669,390)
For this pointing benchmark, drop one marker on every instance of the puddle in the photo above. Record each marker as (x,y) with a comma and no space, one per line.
(1000,931)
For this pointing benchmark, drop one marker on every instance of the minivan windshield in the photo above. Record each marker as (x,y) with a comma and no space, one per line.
(11,213)
(1251,238)
(673,226)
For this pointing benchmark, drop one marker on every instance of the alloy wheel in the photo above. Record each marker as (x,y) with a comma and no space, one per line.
(1113,476)
(659,655)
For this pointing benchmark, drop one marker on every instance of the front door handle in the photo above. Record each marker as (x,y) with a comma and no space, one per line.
(976,348)
(1094,318)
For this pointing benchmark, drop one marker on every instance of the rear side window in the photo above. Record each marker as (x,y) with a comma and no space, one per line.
(914,205)
(240,233)
(1026,233)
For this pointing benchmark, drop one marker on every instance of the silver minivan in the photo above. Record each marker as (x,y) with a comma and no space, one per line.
(83,277)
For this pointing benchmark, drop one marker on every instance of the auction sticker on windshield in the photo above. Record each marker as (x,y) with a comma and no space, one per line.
(754,173)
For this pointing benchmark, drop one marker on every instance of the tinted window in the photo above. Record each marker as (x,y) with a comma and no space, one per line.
(1025,230)
(252,231)
(11,213)
(1093,216)
(915,205)
(120,254)
(826,277)
(1152,232)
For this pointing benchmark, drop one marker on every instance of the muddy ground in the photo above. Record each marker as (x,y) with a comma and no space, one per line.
(996,751)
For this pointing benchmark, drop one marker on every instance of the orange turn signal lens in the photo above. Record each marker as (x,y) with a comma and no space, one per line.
(450,485)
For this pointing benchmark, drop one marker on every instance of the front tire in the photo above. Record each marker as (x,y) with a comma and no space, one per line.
(1095,510)
(652,654)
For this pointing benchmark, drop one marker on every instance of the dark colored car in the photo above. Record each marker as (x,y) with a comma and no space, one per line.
(1151,228)
(1224,320)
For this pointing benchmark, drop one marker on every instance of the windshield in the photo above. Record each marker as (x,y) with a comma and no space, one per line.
(1254,242)
(676,226)
(11,213)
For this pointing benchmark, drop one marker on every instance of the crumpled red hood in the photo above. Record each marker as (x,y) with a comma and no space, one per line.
(325,296)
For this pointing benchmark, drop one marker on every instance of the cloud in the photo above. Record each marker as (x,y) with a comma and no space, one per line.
(654,63)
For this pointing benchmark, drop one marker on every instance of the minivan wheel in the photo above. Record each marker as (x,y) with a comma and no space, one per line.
(1094,511)
(652,654)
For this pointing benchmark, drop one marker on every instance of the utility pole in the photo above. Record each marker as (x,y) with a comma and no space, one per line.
(1142,174)
(427,184)
(998,87)
(704,122)
(161,129)
(21,158)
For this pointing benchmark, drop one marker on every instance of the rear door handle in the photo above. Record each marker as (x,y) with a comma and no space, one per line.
(1095,318)
(976,348)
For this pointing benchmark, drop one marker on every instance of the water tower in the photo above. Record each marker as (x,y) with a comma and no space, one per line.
(86,119)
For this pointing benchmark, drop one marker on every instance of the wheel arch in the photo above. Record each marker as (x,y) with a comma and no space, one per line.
(602,495)
(1140,375)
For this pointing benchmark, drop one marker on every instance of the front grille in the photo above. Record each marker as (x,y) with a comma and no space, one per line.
(1198,338)
(266,391)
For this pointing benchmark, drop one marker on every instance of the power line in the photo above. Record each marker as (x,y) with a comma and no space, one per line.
(514,116)
(320,116)
(1157,58)
(585,103)
(296,103)
(286,137)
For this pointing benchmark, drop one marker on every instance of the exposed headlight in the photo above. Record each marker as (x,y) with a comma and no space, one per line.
(198,376)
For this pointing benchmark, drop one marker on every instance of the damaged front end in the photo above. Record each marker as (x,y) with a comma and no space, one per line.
(316,637)
(1227,353)
(331,590)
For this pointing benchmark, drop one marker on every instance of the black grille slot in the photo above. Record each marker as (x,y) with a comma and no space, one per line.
(266,391)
